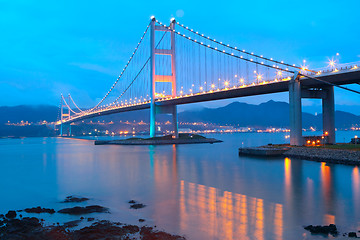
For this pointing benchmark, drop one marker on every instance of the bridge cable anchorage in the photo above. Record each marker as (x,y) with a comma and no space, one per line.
(242,51)
(229,54)
(117,80)
(137,75)
(329,83)
(75,103)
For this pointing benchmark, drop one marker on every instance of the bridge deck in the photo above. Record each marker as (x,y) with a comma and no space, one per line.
(340,77)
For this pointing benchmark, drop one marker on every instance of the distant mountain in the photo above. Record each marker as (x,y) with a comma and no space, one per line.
(269,114)
(28,113)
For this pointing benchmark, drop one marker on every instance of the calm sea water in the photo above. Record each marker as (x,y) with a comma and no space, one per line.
(202,191)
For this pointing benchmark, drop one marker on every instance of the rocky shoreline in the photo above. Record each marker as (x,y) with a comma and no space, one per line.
(14,226)
(347,157)
(184,138)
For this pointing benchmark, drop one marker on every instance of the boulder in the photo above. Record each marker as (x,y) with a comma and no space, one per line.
(137,206)
(39,210)
(84,210)
(331,229)
(352,234)
(10,214)
(72,199)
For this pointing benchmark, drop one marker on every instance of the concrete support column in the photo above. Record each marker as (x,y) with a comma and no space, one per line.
(295,111)
(328,107)
(175,122)
(152,79)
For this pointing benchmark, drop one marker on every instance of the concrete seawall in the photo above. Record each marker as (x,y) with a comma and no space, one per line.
(325,155)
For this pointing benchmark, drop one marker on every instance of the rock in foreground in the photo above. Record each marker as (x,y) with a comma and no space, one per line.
(84,210)
(72,199)
(31,228)
(39,210)
(331,229)
(137,206)
(352,234)
(10,214)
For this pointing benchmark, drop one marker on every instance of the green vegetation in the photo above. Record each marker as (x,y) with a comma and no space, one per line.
(341,146)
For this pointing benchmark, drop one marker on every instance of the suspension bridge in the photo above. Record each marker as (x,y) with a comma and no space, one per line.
(174,64)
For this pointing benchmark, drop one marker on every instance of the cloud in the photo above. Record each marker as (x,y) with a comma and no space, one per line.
(93,67)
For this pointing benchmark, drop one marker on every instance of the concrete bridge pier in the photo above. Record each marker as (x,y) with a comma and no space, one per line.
(295,111)
(170,109)
(328,109)
(69,130)
(63,129)
(296,93)
(175,122)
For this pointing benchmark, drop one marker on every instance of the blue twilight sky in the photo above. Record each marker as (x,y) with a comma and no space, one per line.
(79,47)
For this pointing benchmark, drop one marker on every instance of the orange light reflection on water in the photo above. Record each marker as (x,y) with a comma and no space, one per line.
(356,186)
(228,215)
(287,174)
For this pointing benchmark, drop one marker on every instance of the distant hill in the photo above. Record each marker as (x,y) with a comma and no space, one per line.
(28,113)
(269,114)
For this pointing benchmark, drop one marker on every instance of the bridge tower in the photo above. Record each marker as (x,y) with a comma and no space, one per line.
(64,115)
(296,93)
(61,115)
(156,109)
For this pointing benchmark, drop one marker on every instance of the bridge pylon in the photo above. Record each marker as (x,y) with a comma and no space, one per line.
(65,116)
(156,109)
(296,93)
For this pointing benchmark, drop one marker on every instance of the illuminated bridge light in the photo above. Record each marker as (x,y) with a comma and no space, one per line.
(332,63)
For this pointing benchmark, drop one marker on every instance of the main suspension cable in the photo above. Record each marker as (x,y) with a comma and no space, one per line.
(121,74)
(236,49)
(75,104)
(226,53)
